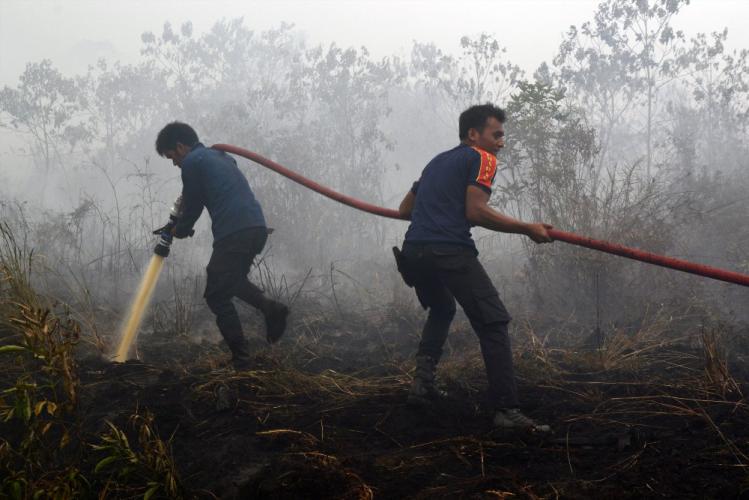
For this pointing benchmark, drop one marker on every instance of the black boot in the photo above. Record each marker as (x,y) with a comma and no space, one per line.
(240,355)
(231,330)
(275,320)
(423,388)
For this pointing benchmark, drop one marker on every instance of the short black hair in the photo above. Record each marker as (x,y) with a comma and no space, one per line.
(476,116)
(172,134)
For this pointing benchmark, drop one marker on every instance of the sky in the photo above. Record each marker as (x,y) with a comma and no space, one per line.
(75,33)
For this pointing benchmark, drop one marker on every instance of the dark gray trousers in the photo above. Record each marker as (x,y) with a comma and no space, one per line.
(227,278)
(444,273)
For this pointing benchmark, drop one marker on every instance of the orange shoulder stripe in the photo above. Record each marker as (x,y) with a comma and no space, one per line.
(487,169)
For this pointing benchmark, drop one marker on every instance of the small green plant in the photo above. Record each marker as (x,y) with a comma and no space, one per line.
(149,470)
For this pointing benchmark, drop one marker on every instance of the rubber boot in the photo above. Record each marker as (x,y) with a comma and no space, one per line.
(275,320)
(423,388)
(240,354)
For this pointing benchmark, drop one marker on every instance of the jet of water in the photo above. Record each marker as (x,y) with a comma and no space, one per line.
(139,307)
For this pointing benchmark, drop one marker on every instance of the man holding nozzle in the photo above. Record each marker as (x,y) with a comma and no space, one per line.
(211,179)
(439,259)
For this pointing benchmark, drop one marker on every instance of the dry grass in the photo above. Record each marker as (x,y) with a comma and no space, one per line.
(324,421)
(717,376)
(39,383)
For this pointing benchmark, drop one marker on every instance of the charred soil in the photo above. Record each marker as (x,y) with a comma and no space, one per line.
(327,417)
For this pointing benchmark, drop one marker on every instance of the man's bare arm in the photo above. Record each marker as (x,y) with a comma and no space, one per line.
(407,205)
(479,213)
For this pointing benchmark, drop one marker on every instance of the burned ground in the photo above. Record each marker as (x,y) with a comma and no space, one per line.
(657,412)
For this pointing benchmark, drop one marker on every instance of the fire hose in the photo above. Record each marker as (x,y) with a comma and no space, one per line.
(557,235)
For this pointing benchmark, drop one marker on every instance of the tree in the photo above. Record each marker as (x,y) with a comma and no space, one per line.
(629,49)
(551,176)
(45,105)
(121,101)
(480,74)
(336,136)
(549,154)
(719,84)
(177,55)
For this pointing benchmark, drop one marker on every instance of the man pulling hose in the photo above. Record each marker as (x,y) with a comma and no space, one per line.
(439,259)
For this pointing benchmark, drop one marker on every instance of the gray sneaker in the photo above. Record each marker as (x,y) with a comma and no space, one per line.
(513,418)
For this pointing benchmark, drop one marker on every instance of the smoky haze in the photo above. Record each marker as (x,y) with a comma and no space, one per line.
(628,125)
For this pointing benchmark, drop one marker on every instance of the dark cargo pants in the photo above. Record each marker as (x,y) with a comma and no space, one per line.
(227,278)
(442,274)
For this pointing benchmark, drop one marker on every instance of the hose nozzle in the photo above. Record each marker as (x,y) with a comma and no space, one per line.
(165,232)
(164,243)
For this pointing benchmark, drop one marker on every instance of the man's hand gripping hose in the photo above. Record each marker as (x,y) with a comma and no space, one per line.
(166,232)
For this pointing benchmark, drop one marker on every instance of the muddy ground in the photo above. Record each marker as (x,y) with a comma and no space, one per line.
(324,415)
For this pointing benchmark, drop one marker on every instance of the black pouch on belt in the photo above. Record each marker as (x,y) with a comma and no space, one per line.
(404,267)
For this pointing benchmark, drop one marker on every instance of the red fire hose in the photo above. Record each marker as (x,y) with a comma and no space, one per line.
(574,239)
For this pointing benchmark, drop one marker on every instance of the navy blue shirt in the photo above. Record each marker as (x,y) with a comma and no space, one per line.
(439,212)
(211,179)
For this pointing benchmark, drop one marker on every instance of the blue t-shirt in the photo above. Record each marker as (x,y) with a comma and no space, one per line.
(211,179)
(439,212)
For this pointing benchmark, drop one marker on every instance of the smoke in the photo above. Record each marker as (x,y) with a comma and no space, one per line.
(609,144)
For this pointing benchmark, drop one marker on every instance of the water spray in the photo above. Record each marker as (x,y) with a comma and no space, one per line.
(148,282)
